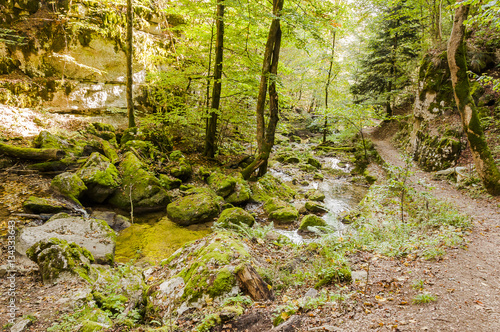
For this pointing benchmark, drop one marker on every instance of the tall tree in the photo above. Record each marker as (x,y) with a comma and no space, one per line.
(265,135)
(130,51)
(211,130)
(327,86)
(485,165)
(386,65)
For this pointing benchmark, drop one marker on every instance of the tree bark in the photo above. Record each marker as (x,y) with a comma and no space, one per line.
(211,132)
(31,153)
(327,87)
(265,136)
(130,51)
(485,165)
(253,284)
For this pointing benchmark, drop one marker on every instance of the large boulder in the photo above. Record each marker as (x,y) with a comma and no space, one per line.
(222,184)
(268,186)
(181,170)
(59,259)
(236,216)
(241,194)
(194,209)
(100,176)
(314,162)
(44,205)
(284,215)
(140,186)
(69,185)
(200,274)
(91,234)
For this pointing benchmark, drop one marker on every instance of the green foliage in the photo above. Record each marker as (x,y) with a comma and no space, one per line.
(424,298)
(238,299)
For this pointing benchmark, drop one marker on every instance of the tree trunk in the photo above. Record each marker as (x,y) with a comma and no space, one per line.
(31,153)
(130,51)
(265,136)
(328,81)
(485,165)
(210,138)
(253,284)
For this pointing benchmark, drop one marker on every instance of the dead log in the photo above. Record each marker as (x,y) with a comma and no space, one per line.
(31,153)
(253,284)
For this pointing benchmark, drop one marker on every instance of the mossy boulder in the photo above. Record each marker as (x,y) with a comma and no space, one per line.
(131,134)
(46,140)
(236,216)
(144,148)
(169,182)
(315,195)
(311,220)
(291,160)
(100,176)
(268,186)
(102,130)
(92,234)
(307,168)
(199,274)
(140,186)
(273,204)
(110,152)
(193,209)
(435,153)
(242,193)
(69,185)
(284,215)
(318,176)
(59,259)
(314,162)
(44,205)
(182,170)
(222,184)
(95,320)
(315,207)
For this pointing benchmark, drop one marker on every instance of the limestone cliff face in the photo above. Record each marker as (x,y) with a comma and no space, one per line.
(435,138)
(65,55)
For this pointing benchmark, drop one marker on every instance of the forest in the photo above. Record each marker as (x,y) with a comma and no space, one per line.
(265,165)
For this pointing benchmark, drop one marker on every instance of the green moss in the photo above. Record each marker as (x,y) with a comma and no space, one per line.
(284,215)
(242,192)
(100,176)
(269,186)
(311,220)
(223,283)
(182,170)
(273,204)
(334,274)
(154,241)
(193,209)
(315,195)
(70,185)
(43,205)
(235,216)
(222,184)
(315,207)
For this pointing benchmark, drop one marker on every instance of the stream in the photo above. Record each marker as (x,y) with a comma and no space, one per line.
(154,237)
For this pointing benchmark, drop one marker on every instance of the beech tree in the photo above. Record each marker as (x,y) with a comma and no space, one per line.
(265,134)
(130,51)
(485,164)
(211,130)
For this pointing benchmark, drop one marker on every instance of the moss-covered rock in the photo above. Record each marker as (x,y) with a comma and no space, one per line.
(201,273)
(100,176)
(311,220)
(315,195)
(182,170)
(131,134)
(314,162)
(193,209)
(318,176)
(241,194)
(284,215)
(46,140)
(140,186)
(144,148)
(236,216)
(43,205)
(269,186)
(69,185)
(110,152)
(176,155)
(291,160)
(434,153)
(315,207)
(222,184)
(92,234)
(273,204)
(57,258)
(307,168)
(95,320)
(169,182)
(102,130)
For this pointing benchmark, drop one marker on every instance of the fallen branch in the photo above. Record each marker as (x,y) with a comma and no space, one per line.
(31,153)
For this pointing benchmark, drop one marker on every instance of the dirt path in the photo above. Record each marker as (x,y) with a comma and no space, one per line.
(467,282)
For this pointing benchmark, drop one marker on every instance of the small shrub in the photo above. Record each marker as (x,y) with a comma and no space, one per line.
(423,298)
